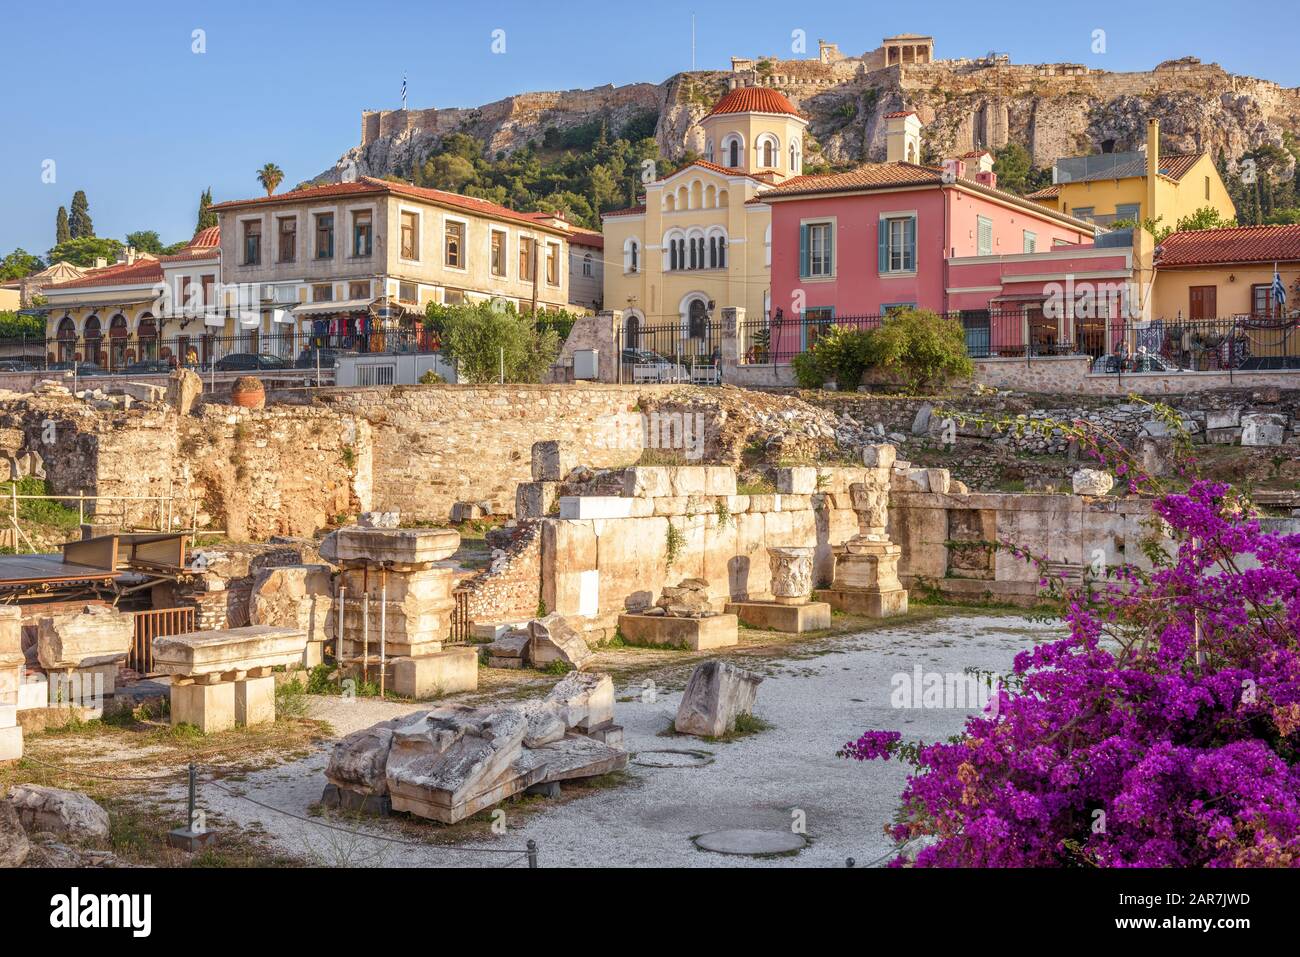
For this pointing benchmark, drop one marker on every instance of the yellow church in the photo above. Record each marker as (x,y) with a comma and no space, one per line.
(697,244)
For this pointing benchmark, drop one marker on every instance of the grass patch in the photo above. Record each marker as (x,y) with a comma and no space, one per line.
(756,487)
(48,512)
(746,726)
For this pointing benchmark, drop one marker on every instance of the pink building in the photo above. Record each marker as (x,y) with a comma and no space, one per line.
(895,234)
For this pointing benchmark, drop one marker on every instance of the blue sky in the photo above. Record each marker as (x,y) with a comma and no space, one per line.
(113,93)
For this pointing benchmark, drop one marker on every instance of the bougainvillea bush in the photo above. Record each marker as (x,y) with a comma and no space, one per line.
(1163,731)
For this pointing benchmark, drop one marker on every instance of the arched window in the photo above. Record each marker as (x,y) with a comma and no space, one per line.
(796,158)
(697,319)
(713,252)
(631,254)
(708,151)
(93,337)
(632,331)
(117,341)
(586,265)
(67,335)
(147,333)
(769,151)
(733,151)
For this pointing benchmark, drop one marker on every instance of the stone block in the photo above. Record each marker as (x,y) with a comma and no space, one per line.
(404,546)
(8,716)
(694,634)
(536,499)
(791,572)
(773,616)
(688,479)
(494,630)
(95,635)
(594,506)
(230,649)
(1226,419)
(879,456)
(255,701)
(719,480)
(68,814)
(647,481)
(553,639)
(294,596)
(1263,429)
(11,636)
(1092,482)
(429,676)
(552,461)
(208,707)
(583,700)
(11,743)
(939,480)
(716,694)
(1228,436)
(797,480)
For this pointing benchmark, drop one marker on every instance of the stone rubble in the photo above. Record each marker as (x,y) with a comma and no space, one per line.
(1092,482)
(448,763)
(688,599)
(716,694)
(67,814)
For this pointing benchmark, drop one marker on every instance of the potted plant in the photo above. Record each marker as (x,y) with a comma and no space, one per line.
(248,392)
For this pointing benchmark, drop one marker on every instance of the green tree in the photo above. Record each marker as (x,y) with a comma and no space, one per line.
(448,171)
(146,241)
(922,347)
(1207,217)
(61,231)
(483,337)
(19,263)
(270,176)
(14,326)
(79,223)
(84,251)
(207,216)
(1016,170)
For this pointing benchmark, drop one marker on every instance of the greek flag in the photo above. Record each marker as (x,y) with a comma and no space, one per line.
(403,91)
(1279,290)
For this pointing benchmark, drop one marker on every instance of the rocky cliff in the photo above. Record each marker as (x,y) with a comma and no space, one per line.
(1053,110)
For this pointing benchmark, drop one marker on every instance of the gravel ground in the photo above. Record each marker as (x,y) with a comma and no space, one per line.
(815,700)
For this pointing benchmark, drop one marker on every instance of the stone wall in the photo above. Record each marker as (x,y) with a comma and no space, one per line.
(939,531)
(434,446)
(512,586)
(675,523)
(1070,374)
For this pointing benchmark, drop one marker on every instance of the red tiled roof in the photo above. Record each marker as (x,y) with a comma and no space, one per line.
(371,185)
(754,99)
(897,113)
(892,176)
(585,237)
(630,211)
(1047,192)
(1240,244)
(207,237)
(140,272)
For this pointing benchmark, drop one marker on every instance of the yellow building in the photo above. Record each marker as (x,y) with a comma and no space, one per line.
(700,242)
(1137,186)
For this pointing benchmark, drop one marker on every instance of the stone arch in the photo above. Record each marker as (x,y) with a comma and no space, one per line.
(767,149)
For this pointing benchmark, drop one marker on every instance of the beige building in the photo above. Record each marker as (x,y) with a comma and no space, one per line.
(700,242)
(348,260)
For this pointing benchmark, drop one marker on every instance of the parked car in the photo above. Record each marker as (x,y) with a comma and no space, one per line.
(250,361)
(649,366)
(82,368)
(18,365)
(1142,362)
(148,367)
(328,357)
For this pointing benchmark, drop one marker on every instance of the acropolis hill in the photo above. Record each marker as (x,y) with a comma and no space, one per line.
(1054,109)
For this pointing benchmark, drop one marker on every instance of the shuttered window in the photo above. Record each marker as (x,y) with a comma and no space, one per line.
(983,236)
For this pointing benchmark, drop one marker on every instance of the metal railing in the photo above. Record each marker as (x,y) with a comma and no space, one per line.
(154,623)
(1240,343)
(671,352)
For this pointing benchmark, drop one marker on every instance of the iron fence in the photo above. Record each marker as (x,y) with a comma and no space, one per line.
(159,354)
(671,352)
(1115,344)
(153,623)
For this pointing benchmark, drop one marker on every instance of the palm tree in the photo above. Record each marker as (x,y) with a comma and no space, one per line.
(270,176)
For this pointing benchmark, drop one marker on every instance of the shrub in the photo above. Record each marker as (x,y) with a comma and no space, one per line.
(922,347)
(839,353)
(1162,732)
(477,337)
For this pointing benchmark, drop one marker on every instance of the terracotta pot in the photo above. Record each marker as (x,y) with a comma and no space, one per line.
(248,392)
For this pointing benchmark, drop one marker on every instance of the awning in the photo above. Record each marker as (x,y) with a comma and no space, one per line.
(1020,297)
(345,305)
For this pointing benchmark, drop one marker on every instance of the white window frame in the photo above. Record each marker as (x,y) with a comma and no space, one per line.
(980,221)
(901,216)
(831,223)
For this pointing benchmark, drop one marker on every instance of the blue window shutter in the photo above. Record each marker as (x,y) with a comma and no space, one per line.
(803,250)
(882,245)
(909,242)
(830,250)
